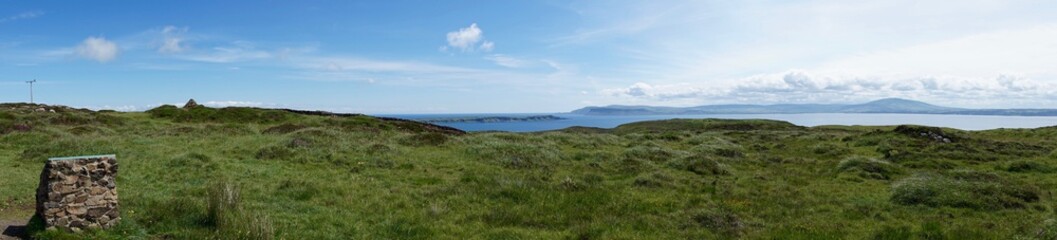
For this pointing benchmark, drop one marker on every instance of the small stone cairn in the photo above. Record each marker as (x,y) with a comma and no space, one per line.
(77,193)
(191,104)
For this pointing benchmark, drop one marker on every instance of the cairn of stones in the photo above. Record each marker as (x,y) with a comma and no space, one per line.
(77,193)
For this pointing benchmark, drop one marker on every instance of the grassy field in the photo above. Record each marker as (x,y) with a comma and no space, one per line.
(240,173)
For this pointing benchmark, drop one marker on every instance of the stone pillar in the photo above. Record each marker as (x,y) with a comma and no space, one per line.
(76,193)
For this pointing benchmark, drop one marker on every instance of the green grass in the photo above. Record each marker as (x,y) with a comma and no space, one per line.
(248,173)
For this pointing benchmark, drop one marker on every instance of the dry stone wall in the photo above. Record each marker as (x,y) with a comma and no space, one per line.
(76,193)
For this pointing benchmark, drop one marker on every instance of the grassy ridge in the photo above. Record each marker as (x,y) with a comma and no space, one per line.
(249,173)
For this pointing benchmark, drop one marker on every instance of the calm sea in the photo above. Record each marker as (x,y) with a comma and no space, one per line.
(965,122)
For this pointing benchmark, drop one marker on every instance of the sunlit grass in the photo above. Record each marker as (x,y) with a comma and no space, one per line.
(226,175)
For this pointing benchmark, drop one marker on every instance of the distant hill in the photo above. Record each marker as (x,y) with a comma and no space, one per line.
(887,105)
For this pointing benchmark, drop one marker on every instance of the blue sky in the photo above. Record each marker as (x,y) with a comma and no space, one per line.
(526,56)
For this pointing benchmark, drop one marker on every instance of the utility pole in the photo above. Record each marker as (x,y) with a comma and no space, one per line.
(31,90)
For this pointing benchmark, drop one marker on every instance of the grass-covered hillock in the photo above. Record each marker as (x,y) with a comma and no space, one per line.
(205,173)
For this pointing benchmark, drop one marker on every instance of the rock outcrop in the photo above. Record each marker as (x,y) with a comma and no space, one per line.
(77,193)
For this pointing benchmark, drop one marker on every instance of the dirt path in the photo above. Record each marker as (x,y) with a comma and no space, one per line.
(13,229)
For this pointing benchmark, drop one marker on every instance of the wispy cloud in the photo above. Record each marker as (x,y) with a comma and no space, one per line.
(172,40)
(348,64)
(238,51)
(22,16)
(507,61)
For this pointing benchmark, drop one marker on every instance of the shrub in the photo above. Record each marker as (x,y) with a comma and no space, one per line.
(964,189)
(868,167)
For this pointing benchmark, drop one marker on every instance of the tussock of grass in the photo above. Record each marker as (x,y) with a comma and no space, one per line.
(656,179)
(229,218)
(700,164)
(652,153)
(964,189)
(868,168)
(727,151)
(830,150)
(513,153)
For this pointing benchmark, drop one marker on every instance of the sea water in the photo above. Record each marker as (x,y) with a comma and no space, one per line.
(964,122)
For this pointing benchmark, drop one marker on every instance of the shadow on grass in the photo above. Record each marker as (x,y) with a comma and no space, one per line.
(35,224)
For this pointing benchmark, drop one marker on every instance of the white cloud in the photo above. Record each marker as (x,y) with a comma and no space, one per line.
(806,87)
(98,48)
(172,40)
(467,39)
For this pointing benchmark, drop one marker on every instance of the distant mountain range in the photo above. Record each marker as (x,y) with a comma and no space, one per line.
(888,105)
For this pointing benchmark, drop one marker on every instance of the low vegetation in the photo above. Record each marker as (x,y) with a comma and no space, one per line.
(246,173)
